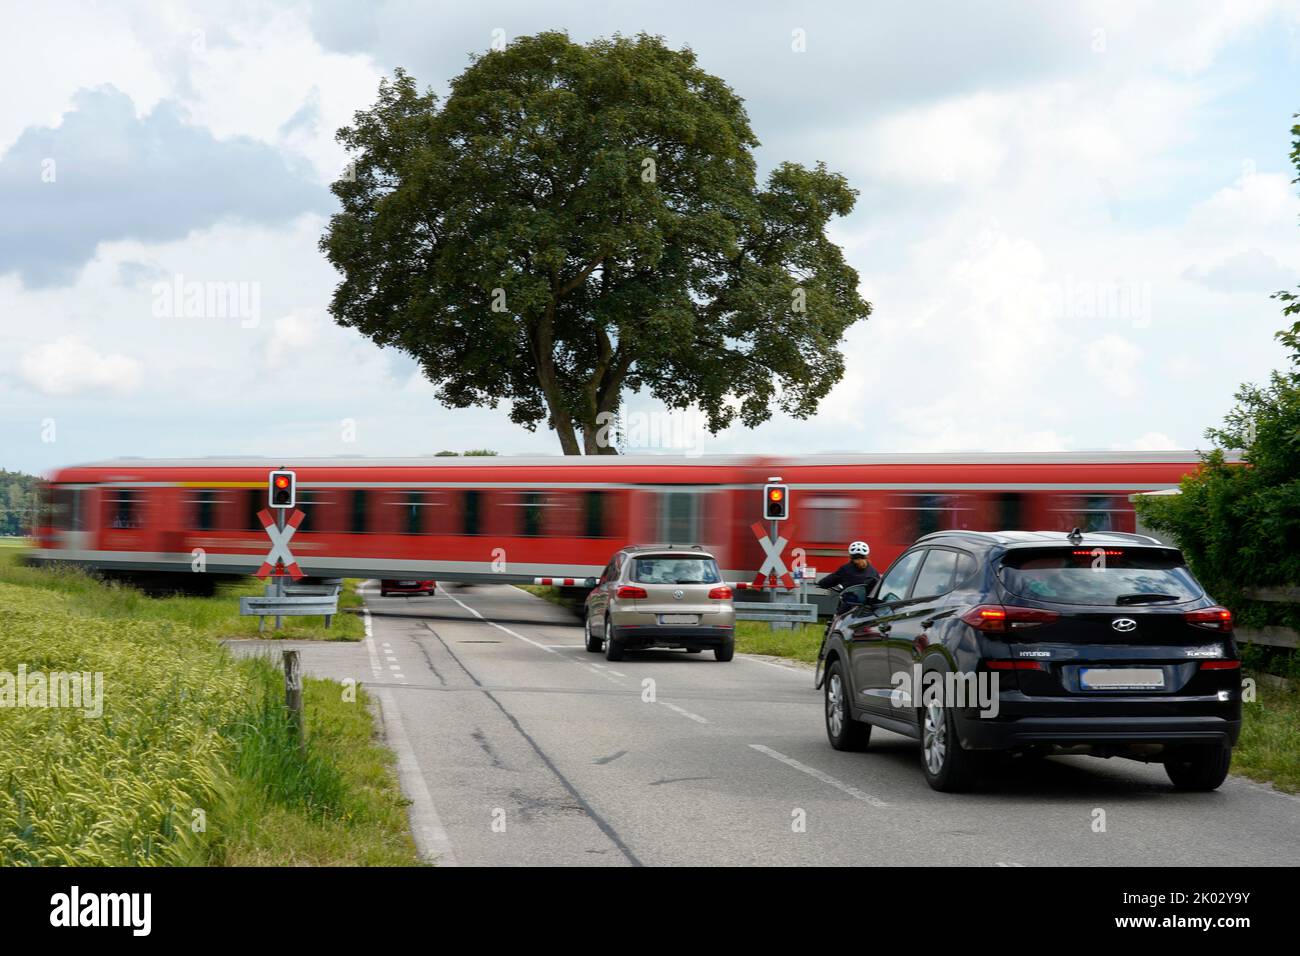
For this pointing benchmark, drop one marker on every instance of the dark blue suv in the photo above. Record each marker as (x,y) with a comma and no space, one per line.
(985,643)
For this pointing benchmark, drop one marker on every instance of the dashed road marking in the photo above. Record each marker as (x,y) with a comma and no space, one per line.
(684,712)
(819,775)
(501,627)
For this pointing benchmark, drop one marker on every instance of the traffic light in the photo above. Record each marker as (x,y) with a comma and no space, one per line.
(283,489)
(776,502)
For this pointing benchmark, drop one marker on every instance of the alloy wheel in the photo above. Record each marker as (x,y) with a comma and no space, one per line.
(935,738)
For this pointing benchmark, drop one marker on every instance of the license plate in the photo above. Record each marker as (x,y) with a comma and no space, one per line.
(407,584)
(679,619)
(1122,678)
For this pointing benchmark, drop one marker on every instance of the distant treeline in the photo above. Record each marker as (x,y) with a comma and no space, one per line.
(17,502)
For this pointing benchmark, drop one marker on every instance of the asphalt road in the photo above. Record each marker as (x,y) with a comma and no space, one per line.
(517,747)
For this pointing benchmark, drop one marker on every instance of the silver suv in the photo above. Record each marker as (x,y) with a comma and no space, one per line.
(660,596)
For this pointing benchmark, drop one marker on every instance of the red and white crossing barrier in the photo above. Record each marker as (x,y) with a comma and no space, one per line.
(562,582)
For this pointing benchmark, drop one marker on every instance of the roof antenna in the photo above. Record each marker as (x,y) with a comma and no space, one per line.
(1076,537)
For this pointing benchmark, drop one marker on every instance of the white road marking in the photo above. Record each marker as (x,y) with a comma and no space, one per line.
(1012,864)
(426,826)
(797,671)
(819,775)
(685,713)
(370,642)
(501,627)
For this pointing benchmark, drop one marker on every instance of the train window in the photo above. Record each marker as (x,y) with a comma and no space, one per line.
(593,514)
(123,508)
(64,509)
(254,502)
(1010,512)
(309,503)
(1097,513)
(1089,513)
(828,518)
(204,504)
(413,513)
(360,505)
(679,517)
(472,512)
(530,512)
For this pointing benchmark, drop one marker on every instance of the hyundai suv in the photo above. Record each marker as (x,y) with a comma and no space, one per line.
(980,643)
(656,596)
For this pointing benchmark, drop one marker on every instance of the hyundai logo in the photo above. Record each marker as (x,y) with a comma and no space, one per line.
(679,594)
(1124,624)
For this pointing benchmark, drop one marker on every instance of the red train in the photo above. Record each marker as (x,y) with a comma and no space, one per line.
(510,519)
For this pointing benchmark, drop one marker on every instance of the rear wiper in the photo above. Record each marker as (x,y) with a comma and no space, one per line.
(1145,597)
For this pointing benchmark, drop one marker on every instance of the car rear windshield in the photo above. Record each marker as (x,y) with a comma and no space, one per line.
(674,569)
(1099,576)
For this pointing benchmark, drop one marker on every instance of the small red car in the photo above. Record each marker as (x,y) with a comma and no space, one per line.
(406,586)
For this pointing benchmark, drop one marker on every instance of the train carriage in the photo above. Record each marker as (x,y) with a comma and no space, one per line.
(510,519)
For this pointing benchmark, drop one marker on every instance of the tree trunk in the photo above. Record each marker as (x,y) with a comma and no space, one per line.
(568,440)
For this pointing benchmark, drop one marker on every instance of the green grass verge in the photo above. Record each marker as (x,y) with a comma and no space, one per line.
(192,761)
(1269,748)
(799,643)
(217,616)
(554,595)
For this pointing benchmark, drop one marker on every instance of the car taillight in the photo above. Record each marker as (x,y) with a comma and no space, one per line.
(1220,665)
(1210,618)
(722,593)
(995,617)
(630,591)
(1014,665)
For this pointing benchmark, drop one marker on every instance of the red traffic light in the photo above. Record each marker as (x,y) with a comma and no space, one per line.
(281,489)
(776,502)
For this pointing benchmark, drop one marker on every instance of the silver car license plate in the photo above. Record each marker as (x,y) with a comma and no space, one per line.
(679,619)
(1122,678)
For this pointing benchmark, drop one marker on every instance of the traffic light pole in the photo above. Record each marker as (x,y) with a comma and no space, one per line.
(771,575)
(279,578)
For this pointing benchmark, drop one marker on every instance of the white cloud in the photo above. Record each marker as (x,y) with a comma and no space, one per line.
(1000,160)
(1255,201)
(69,365)
(1151,441)
(1111,361)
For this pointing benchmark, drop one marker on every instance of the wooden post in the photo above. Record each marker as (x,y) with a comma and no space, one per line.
(293,691)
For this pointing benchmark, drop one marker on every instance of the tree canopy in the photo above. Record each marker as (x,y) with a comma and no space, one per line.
(575,221)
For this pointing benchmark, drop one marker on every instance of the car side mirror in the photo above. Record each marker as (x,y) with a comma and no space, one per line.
(851,597)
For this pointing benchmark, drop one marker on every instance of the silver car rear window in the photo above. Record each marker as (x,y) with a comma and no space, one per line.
(665,569)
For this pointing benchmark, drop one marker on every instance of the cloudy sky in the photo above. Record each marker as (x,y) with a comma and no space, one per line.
(1071,217)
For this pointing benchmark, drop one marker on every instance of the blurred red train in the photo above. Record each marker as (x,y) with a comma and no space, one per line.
(511,519)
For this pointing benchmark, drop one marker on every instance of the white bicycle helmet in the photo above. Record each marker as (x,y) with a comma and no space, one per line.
(859,548)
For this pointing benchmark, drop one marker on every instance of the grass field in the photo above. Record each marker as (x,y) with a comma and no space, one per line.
(192,761)
(799,643)
(218,616)
(1269,748)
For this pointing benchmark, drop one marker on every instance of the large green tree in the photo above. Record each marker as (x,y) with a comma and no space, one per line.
(575,221)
